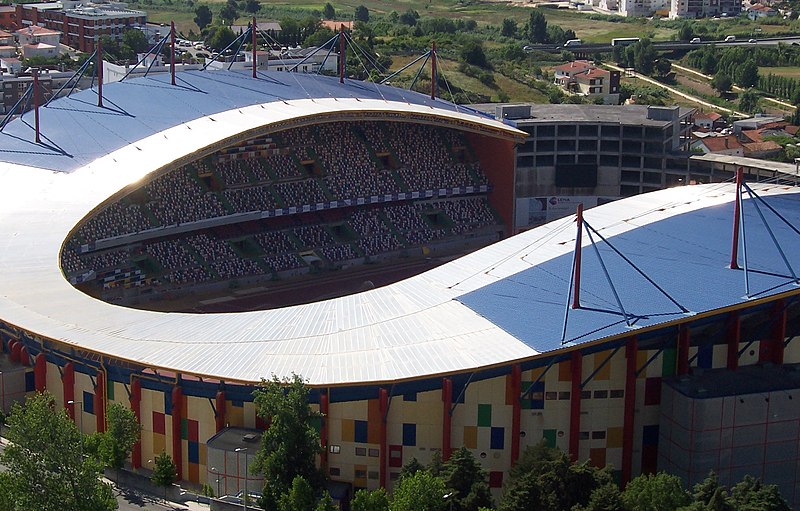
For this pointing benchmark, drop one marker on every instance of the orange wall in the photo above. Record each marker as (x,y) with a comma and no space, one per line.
(497,161)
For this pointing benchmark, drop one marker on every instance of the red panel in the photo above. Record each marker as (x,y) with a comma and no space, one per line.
(40,373)
(100,402)
(136,408)
(220,406)
(734,337)
(159,423)
(16,347)
(631,350)
(194,433)
(447,418)
(495,479)
(497,161)
(652,391)
(649,459)
(516,409)
(323,430)
(24,357)
(68,382)
(177,415)
(384,408)
(395,456)
(683,350)
(575,405)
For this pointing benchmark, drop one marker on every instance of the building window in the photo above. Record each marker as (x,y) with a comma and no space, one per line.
(335,449)
(361,451)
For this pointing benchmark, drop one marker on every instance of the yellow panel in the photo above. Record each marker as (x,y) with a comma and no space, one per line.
(156,400)
(471,437)
(614,437)
(605,372)
(348,430)
(641,360)
(203,453)
(565,371)
(159,443)
(234,415)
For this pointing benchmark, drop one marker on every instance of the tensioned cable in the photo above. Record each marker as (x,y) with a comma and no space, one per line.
(264,36)
(377,89)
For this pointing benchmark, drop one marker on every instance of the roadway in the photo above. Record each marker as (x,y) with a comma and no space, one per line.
(665,45)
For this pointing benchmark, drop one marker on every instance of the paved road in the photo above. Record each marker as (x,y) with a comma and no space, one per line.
(679,93)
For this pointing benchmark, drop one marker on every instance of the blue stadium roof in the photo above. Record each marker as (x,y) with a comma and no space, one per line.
(75,131)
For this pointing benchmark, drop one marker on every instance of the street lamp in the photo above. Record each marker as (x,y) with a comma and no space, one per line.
(238,450)
(216,472)
(449,497)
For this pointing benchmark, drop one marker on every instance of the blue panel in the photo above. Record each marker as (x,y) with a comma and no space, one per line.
(409,435)
(237,403)
(537,396)
(88,402)
(498,438)
(361,431)
(30,381)
(411,396)
(168,403)
(194,452)
(660,250)
(650,435)
(705,355)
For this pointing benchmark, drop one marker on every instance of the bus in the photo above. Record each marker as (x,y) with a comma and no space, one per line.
(624,41)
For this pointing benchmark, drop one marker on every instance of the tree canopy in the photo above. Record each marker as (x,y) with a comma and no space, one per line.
(46,468)
(202,16)
(121,435)
(361,14)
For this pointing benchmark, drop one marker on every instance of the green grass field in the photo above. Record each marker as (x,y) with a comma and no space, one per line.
(791,72)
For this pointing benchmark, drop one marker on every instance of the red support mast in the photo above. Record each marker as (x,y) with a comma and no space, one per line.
(100,73)
(172,51)
(341,53)
(254,39)
(576,290)
(736,214)
(433,70)
(36,104)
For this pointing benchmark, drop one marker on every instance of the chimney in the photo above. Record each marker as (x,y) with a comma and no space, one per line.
(726,142)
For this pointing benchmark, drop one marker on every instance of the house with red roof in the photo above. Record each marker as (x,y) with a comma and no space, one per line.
(709,120)
(584,78)
(727,145)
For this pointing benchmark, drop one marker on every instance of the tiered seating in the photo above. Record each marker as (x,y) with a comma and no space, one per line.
(211,249)
(341,252)
(177,198)
(170,254)
(188,275)
(244,200)
(274,242)
(376,236)
(407,220)
(313,236)
(467,214)
(282,262)
(297,193)
(236,268)
(232,172)
(283,165)
(351,172)
(115,220)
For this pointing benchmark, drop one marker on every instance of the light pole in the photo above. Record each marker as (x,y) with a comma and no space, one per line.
(216,472)
(246,496)
(80,420)
(449,498)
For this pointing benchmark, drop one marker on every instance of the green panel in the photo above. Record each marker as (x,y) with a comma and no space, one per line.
(526,386)
(110,390)
(184,429)
(316,423)
(668,362)
(525,404)
(484,416)
(549,436)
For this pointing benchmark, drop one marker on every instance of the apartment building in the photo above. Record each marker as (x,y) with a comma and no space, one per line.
(82,25)
(584,78)
(704,8)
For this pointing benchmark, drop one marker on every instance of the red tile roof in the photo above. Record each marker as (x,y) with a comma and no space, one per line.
(574,66)
(716,144)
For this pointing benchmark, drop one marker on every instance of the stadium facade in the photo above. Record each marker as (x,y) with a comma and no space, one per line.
(582,344)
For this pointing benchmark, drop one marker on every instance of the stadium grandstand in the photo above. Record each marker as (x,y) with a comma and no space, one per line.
(171,248)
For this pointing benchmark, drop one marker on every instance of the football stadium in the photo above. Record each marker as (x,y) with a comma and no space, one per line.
(171,245)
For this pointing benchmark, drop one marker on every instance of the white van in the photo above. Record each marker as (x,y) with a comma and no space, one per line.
(573,42)
(730,38)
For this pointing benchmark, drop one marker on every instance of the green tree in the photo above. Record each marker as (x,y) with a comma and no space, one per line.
(252,6)
(604,498)
(219,37)
(537,27)
(422,491)
(472,53)
(46,469)
(436,465)
(135,40)
(229,12)
(122,434)
(464,476)
(748,101)
(655,492)
(663,67)
(328,12)
(709,63)
(202,16)
(509,28)
(686,32)
(411,468)
(290,445)
(409,17)
(365,500)
(326,503)
(300,497)
(752,495)
(361,14)
(721,82)
(748,74)
(164,471)
(644,56)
